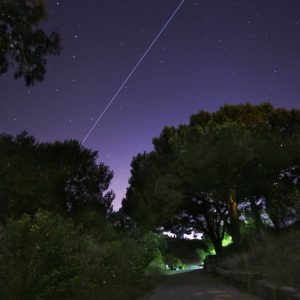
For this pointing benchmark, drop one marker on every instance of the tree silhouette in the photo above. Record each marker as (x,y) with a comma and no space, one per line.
(209,174)
(22,43)
(61,177)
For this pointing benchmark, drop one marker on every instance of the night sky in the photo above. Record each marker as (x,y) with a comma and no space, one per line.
(213,52)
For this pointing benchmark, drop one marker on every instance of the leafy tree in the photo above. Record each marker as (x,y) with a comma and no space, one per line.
(275,163)
(94,254)
(149,201)
(208,170)
(121,221)
(203,176)
(196,170)
(22,43)
(63,177)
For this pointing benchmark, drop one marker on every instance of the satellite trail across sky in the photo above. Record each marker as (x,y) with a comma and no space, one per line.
(131,73)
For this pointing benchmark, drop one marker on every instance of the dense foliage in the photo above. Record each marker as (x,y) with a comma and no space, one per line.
(48,257)
(62,177)
(22,43)
(40,258)
(274,254)
(59,238)
(239,165)
(222,175)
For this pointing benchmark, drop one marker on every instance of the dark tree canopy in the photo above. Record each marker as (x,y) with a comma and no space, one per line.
(62,177)
(23,44)
(222,169)
(59,238)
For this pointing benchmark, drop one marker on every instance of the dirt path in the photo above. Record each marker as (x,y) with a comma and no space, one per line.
(196,285)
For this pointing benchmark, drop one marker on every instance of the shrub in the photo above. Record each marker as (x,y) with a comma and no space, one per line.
(40,258)
(273,254)
(48,257)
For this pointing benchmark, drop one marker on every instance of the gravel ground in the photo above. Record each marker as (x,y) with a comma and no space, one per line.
(196,285)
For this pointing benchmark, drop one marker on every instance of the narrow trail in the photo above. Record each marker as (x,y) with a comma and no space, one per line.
(196,285)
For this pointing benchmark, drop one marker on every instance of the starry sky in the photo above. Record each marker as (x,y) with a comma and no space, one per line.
(213,52)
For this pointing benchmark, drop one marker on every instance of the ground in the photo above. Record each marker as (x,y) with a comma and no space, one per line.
(196,285)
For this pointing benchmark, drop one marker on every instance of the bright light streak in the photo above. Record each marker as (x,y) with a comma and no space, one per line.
(131,73)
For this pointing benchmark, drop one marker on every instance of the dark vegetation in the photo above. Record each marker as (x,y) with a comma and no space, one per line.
(23,44)
(234,172)
(274,254)
(230,175)
(183,250)
(59,238)
(236,167)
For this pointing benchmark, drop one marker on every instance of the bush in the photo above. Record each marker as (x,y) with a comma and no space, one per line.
(40,258)
(117,269)
(201,253)
(47,257)
(273,254)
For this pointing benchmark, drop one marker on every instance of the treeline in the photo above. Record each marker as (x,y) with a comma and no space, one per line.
(223,173)
(59,238)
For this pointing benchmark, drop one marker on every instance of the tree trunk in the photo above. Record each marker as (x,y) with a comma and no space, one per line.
(256,214)
(217,243)
(234,219)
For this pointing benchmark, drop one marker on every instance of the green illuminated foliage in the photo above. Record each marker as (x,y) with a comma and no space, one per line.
(227,240)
